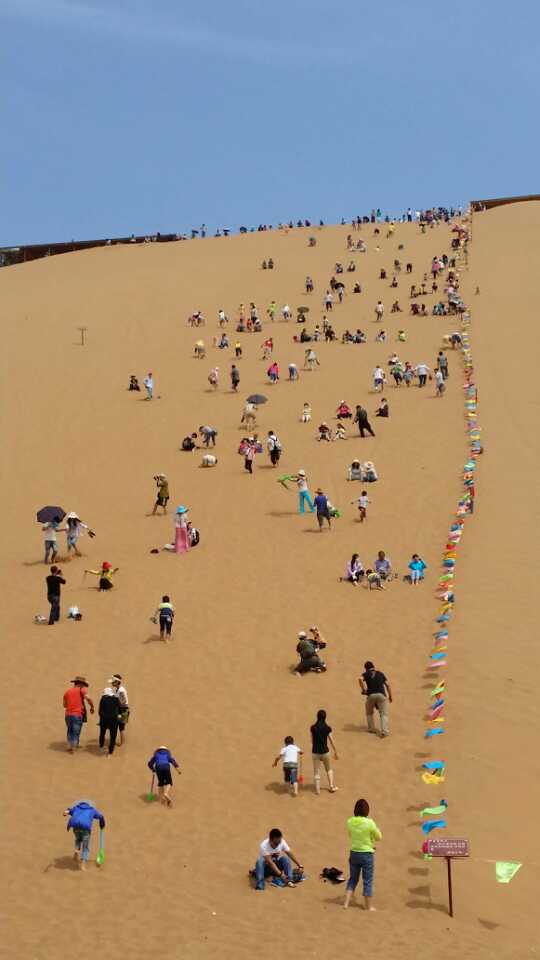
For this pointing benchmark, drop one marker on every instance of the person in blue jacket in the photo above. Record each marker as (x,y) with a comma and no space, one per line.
(160,763)
(81,817)
(417,567)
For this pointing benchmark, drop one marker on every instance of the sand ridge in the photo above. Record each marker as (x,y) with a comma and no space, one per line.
(221,696)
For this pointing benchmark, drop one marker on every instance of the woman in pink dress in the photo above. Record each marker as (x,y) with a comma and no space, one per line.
(182,541)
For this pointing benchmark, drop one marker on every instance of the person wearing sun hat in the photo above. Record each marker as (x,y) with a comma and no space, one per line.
(303,492)
(74,528)
(182,539)
(75,700)
(162,496)
(105,575)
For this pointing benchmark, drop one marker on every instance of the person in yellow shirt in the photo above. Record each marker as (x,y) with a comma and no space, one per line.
(105,575)
(364,833)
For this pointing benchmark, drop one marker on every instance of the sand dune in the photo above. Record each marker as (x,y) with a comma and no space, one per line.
(222,695)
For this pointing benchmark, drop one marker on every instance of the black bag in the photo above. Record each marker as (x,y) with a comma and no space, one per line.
(333,874)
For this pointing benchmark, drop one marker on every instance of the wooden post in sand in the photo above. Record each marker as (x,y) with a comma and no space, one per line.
(83,330)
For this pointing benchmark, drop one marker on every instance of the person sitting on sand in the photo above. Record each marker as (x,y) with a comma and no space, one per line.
(213,378)
(343,411)
(357,288)
(381,337)
(105,575)
(383,409)
(325,432)
(355,471)
(309,658)
(401,335)
(396,307)
(341,433)
(133,383)
(354,570)
(359,337)
(224,342)
(306,413)
(369,472)
(417,567)
(383,565)
(351,267)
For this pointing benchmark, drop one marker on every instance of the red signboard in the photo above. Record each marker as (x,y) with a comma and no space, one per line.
(448,847)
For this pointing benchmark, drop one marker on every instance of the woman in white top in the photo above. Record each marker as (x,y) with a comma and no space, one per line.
(74,528)
(303,492)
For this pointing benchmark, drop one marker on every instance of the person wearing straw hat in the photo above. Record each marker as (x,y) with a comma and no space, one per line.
(105,575)
(303,492)
(81,818)
(75,700)
(74,528)
(162,496)
(182,540)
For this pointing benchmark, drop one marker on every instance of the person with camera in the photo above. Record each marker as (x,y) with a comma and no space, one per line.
(54,585)
(162,497)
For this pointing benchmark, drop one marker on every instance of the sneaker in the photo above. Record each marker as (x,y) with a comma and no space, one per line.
(278,882)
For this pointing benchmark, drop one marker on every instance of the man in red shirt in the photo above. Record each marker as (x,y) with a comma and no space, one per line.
(75,700)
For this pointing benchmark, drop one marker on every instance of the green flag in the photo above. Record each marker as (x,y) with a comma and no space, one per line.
(506,871)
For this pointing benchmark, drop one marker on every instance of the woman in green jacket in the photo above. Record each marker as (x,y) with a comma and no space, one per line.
(364,833)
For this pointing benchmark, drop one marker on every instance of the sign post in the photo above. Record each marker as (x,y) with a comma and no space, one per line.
(450,849)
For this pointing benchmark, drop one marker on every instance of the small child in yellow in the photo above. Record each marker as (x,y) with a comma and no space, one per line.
(105,575)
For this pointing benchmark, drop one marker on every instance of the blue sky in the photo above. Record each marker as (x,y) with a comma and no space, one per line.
(122,116)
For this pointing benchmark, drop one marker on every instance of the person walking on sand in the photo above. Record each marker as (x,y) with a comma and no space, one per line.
(120,691)
(379,311)
(363,501)
(54,585)
(364,833)
(160,764)
(75,700)
(165,615)
(362,419)
(182,539)
(105,575)
(376,689)
(149,386)
(303,492)
(249,415)
(74,528)
(235,377)
(422,370)
(290,755)
(274,448)
(321,736)
(50,530)
(81,818)
(109,718)
(162,496)
(323,512)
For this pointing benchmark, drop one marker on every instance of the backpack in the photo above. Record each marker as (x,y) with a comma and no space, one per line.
(195,536)
(187,443)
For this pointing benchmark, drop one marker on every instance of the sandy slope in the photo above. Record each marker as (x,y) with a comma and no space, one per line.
(221,695)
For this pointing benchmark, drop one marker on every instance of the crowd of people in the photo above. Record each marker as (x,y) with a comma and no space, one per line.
(275,858)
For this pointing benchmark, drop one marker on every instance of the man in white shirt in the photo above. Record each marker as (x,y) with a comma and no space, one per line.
(149,384)
(274,860)
(49,535)
(439,382)
(378,378)
(379,310)
(422,370)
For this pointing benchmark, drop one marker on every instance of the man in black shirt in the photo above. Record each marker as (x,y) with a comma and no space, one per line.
(376,689)
(54,581)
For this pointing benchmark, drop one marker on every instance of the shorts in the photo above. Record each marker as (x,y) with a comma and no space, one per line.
(165,625)
(164,777)
(162,501)
(290,772)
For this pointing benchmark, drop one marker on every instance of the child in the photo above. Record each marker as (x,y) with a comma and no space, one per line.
(160,765)
(289,754)
(238,349)
(133,383)
(362,502)
(374,580)
(81,817)
(105,575)
(417,567)
(306,413)
(341,433)
(165,613)
(325,432)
